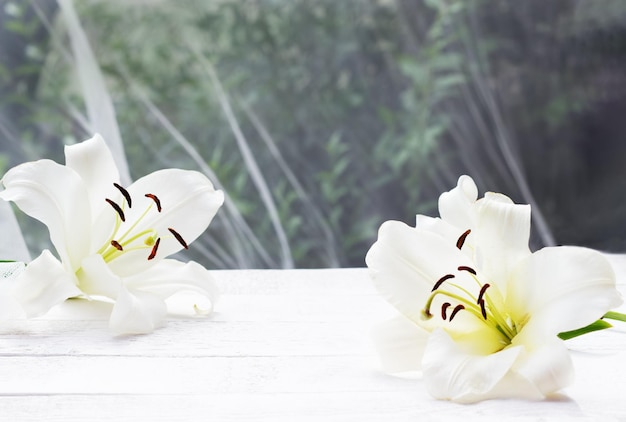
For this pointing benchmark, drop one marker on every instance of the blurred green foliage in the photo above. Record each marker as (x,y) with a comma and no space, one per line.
(376,106)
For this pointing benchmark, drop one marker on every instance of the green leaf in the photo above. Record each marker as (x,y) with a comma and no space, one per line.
(595,326)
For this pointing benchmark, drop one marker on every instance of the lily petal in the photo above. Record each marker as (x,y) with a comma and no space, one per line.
(169,277)
(547,365)
(563,288)
(137,313)
(93,162)
(189,202)
(400,344)
(457,205)
(406,262)
(438,227)
(96,279)
(134,312)
(43,284)
(501,236)
(56,196)
(451,374)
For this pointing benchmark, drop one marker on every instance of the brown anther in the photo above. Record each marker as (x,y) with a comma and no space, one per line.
(155,199)
(154,249)
(178,237)
(441,281)
(456,311)
(125,193)
(117,208)
(482,292)
(444,308)
(483,311)
(468,269)
(116,245)
(461,241)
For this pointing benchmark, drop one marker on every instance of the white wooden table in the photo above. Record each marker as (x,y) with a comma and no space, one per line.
(283,345)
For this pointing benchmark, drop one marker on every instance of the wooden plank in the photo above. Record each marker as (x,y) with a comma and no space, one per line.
(190,375)
(361,406)
(195,338)
(598,374)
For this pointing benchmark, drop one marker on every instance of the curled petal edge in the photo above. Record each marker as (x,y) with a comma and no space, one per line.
(137,312)
(457,205)
(43,284)
(134,312)
(169,278)
(517,371)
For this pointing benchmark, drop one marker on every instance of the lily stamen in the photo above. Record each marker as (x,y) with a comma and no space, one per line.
(481,302)
(155,199)
(482,292)
(178,237)
(441,281)
(154,249)
(132,227)
(117,208)
(468,269)
(456,311)
(116,245)
(125,193)
(444,308)
(461,241)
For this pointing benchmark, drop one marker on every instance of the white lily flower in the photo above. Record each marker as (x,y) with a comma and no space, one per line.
(480,313)
(111,241)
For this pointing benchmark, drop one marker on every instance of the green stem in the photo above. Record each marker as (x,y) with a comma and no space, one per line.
(121,239)
(615,315)
(594,326)
(600,324)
